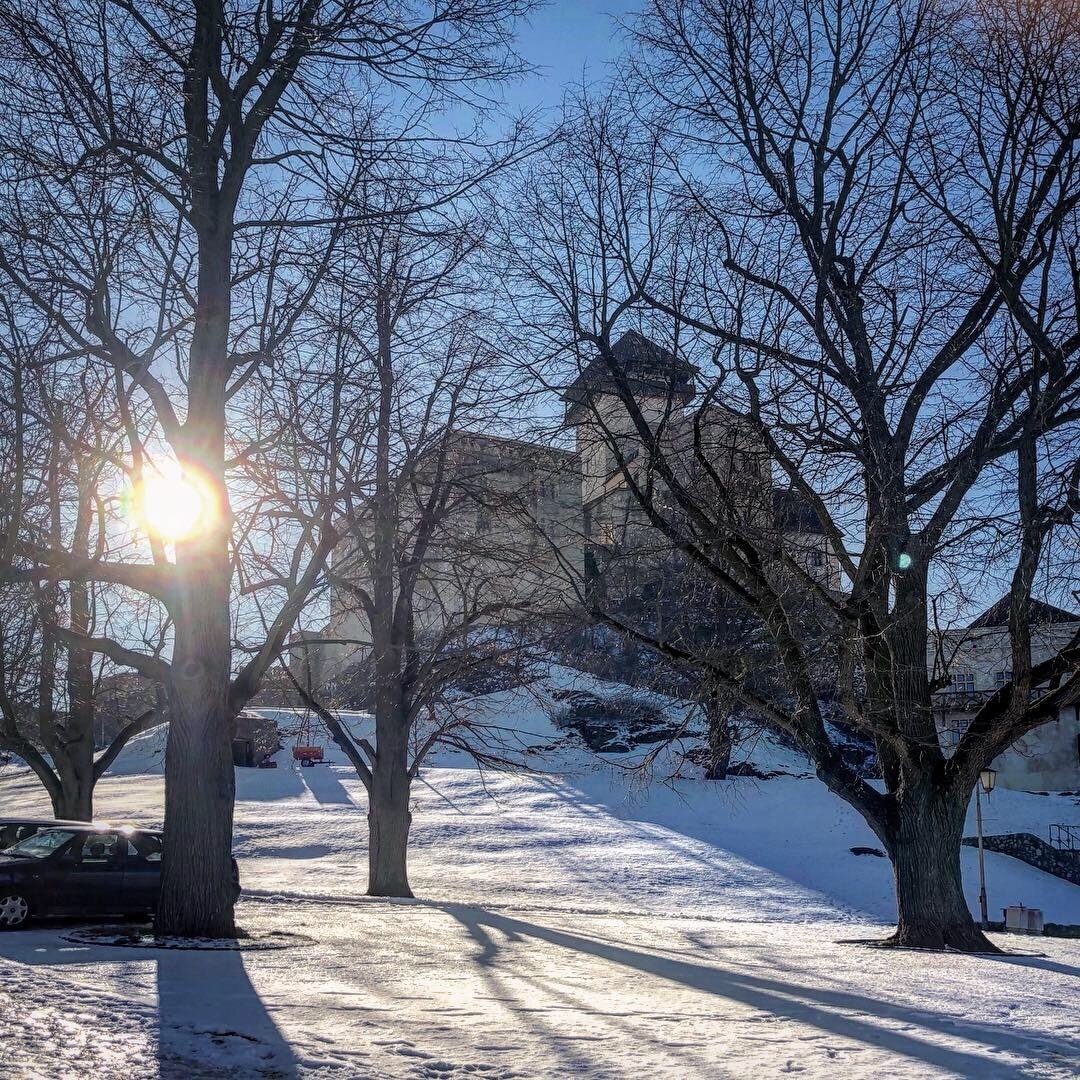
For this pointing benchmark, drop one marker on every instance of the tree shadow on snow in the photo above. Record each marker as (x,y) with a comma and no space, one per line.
(695,823)
(210,1020)
(268,785)
(211,1016)
(323,783)
(1043,963)
(841,1013)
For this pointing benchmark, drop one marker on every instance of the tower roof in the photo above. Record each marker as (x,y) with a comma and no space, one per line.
(648,368)
(1041,614)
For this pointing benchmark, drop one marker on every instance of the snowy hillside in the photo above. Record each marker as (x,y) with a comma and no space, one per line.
(570,921)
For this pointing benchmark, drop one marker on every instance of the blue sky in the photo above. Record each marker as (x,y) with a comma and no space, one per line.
(563,39)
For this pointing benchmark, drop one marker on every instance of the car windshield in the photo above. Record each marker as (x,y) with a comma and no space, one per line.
(41,845)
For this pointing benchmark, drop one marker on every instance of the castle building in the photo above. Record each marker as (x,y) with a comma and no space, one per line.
(507,544)
(531,525)
(716,456)
(531,529)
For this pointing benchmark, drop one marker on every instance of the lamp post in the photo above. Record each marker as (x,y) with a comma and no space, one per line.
(987,780)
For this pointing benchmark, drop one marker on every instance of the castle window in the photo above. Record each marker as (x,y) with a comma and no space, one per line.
(817,560)
(1002,678)
(963,682)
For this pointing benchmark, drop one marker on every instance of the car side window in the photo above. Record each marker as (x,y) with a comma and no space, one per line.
(145,847)
(100,849)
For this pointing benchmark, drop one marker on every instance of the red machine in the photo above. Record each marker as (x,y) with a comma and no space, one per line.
(308,755)
(303,750)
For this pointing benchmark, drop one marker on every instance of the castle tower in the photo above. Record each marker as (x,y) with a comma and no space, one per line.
(662,386)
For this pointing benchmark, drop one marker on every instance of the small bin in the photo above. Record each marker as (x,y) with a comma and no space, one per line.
(1023,920)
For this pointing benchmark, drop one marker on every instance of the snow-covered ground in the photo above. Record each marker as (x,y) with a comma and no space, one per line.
(570,922)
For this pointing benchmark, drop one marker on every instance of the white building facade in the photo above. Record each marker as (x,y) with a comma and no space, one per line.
(977,660)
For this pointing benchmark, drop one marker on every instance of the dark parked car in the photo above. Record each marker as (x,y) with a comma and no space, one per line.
(12,830)
(82,869)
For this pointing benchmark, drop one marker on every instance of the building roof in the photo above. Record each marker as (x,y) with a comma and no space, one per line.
(648,368)
(792,513)
(1041,615)
(511,444)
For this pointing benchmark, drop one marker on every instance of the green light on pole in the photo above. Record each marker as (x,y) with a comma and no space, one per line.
(903,561)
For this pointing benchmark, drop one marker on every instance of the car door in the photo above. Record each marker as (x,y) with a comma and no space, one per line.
(88,877)
(142,872)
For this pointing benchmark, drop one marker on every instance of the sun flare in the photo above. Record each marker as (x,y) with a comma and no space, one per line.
(171,504)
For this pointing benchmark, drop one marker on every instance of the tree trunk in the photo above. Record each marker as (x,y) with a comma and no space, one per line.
(75,758)
(74,798)
(924,846)
(389,819)
(196,877)
(720,740)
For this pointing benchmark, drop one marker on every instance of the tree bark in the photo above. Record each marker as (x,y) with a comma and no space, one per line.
(74,798)
(720,741)
(389,819)
(197,889)
(196,875)
(924,846)
(196,879)
(74,755)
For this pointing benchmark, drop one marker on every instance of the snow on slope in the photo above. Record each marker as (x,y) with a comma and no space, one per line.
(571,921)
(143,755)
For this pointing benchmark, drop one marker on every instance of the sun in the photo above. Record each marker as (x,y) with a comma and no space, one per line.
(171,504)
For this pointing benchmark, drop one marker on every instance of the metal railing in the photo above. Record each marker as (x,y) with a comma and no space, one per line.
(1065,837)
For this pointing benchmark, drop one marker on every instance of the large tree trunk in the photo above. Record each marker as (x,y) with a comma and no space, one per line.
(924,845)
(389,818)
(73,800)
(196,878)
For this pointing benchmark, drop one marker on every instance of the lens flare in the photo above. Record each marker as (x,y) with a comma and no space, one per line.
(170,503)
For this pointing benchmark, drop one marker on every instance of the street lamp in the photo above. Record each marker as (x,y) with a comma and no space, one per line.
(987,780)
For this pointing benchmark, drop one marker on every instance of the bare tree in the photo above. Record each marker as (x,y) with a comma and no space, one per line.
(861,218)
(55,460)
(180,176)
(439,554)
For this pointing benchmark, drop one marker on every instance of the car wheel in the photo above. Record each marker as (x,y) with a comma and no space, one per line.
(14,911)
